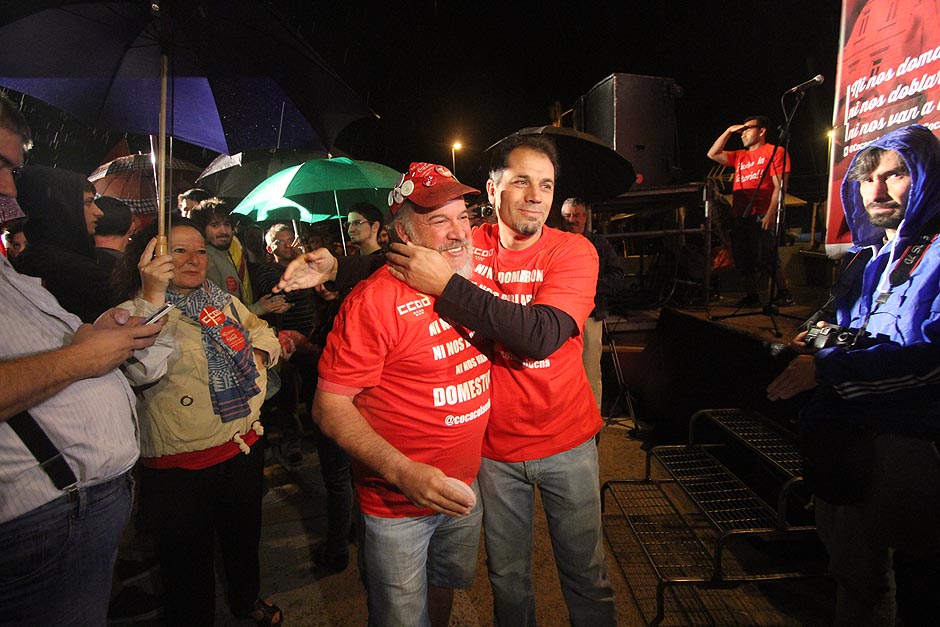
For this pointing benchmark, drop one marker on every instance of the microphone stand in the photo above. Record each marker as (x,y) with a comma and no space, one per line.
(770,309)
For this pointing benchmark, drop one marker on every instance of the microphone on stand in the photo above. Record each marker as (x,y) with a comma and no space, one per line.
(816,80)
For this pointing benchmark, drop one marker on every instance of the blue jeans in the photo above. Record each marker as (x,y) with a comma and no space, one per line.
(403,556)
(56,561)
(569,487)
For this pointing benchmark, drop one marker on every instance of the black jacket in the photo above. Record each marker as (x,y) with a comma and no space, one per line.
(60,251)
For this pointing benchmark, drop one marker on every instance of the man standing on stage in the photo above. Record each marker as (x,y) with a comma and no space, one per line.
(754,206)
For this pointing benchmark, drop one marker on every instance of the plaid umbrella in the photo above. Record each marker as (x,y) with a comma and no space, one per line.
(131,179)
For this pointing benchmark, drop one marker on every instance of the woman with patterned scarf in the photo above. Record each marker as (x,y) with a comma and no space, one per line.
(200,389)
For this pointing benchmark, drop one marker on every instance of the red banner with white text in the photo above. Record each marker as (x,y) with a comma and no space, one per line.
(888,77)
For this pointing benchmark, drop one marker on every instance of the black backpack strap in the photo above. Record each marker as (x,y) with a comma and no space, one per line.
(49,457)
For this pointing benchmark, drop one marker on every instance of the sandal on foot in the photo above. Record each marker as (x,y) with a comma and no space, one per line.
(266,614)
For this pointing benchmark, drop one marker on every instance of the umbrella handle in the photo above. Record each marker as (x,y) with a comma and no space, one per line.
(162,247)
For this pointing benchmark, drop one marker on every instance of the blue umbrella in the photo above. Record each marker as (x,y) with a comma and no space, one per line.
(223,75)
(238,76)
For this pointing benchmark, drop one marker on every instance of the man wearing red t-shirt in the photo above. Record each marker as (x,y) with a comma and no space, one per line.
(407,395)
(754,205)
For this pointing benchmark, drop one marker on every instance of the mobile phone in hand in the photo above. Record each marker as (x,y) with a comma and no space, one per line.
(159,313)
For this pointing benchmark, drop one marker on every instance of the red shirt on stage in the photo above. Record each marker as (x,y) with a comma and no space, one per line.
(416,380)
(748,166)
(540,407)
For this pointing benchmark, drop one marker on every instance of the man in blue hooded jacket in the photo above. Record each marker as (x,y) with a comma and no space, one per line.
(886,394)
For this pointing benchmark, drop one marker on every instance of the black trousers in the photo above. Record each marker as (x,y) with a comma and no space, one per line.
(337,477)
(753,248)
(188,511)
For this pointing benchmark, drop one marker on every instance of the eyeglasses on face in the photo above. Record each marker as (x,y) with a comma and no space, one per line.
(357,223)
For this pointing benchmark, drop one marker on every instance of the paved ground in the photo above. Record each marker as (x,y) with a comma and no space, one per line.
(294,521)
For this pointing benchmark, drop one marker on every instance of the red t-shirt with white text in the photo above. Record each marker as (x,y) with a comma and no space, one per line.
(416,380)
(748,166)
(540,407)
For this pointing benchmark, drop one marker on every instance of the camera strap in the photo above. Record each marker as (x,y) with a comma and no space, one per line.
(914,253)
(849,279)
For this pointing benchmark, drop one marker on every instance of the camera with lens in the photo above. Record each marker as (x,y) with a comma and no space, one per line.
(834,335)
(483,211)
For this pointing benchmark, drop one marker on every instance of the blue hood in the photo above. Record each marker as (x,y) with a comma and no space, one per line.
(920,149)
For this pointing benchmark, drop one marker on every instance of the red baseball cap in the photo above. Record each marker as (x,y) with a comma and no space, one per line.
(427,186)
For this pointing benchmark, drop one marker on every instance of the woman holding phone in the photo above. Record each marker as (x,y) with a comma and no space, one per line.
(200,389)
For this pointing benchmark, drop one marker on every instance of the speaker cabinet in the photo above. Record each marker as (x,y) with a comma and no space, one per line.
(636,116)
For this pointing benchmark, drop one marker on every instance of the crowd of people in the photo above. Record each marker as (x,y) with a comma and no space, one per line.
(198,351)
(420,365)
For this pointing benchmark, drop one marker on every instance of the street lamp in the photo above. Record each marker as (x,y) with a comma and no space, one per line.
(453,156)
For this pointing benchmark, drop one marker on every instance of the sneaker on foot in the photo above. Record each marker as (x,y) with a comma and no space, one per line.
(749,300)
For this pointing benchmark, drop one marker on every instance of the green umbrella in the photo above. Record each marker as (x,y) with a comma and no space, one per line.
(319,189)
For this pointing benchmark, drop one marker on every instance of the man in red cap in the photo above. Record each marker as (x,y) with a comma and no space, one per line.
(407,395)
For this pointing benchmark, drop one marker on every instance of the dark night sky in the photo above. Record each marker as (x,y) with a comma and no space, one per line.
(440,71)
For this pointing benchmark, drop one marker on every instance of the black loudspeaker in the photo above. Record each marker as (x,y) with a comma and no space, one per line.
(636,116)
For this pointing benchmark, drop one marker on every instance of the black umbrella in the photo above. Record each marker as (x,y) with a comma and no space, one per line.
(588,168)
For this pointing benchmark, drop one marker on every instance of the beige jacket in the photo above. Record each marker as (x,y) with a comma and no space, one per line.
(171,380)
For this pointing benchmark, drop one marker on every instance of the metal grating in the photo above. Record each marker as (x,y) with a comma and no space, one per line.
(633,509)
(668,542)
(771,443)
(721,496)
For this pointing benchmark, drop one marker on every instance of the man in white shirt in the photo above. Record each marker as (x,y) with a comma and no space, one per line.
(64,403)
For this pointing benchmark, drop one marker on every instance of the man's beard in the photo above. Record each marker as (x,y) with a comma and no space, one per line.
(885,220)
(526,227)
(465,266)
